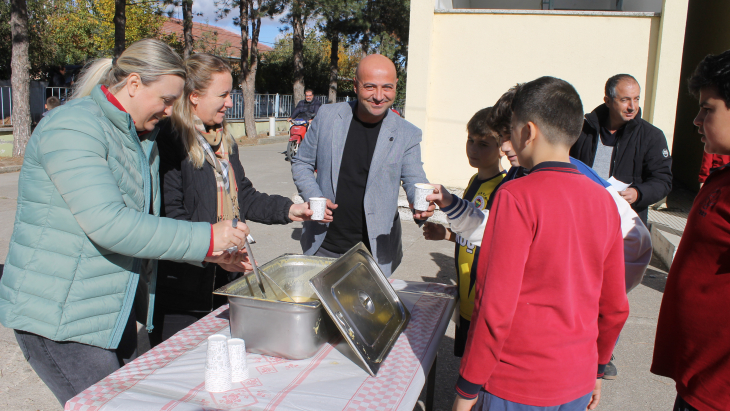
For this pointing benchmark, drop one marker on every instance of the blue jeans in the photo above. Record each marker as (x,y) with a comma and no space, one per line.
(489,402)
(68,368)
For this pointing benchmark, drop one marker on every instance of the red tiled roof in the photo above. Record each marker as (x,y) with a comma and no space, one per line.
(222,36)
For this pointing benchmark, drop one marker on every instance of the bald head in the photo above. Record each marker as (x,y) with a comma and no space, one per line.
(375,82)
(375,64)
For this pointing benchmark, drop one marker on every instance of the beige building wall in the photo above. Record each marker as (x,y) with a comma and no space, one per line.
(462,60)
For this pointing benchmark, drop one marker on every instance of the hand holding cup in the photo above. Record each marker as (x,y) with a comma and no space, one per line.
(300,212)
(422,191)
(321,209)
(423,209)
(441,196)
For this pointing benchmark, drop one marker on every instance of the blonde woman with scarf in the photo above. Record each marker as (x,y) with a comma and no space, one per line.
(203,180)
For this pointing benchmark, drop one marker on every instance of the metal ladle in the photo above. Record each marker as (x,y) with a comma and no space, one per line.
(256,270)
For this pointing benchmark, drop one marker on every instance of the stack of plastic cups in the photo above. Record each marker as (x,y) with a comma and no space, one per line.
(237,353)
(217,365)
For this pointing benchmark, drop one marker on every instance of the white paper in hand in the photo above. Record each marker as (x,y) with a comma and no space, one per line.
(618,185)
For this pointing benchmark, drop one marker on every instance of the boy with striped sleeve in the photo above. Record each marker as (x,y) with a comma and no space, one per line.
(482,150)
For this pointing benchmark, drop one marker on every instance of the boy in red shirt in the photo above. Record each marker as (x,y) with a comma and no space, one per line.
(693,332)
(710,163)
(550,293)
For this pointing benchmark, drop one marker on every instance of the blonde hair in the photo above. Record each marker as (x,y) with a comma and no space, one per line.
(199,69)
(149,58)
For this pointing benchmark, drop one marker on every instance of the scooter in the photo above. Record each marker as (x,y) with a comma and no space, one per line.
(296,134)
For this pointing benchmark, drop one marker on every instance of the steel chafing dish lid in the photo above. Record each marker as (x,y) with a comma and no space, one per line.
(363,305)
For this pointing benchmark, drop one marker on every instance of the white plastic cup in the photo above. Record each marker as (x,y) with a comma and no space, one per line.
(318,205)
(237,353)
(217,365)
(422,190)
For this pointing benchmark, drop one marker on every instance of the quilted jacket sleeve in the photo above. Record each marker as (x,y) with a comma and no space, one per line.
(76,157)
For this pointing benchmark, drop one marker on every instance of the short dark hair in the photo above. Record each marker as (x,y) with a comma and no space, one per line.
(553,105)
(52,102)
(502,114)
(612,82)
(713,71)
(308,90)
(480,123)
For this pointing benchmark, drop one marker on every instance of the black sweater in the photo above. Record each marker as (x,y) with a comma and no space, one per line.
(641,157)
(189,193)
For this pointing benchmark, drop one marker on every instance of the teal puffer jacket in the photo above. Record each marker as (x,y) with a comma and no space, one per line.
(86,228)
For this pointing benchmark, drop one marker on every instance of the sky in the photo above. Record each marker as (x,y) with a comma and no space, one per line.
(270,28)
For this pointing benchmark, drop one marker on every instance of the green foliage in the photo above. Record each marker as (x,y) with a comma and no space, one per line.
(143,21)
(41,50)
(274,75)
(75,31)
(5,40)
(369,26)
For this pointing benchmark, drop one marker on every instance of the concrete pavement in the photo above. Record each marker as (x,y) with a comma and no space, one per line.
(635,389)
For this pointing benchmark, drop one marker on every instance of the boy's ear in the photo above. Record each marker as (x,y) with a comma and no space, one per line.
(530,132)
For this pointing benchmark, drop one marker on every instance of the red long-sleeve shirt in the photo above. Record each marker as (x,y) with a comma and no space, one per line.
(711,162)
(693,332)
(551,299)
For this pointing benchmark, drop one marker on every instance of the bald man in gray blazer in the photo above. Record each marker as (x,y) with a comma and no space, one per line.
(361,152)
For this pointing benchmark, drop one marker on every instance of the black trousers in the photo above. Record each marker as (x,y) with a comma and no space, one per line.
(681,405)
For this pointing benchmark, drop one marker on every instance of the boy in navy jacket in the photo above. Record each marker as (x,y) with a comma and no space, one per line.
(550,293)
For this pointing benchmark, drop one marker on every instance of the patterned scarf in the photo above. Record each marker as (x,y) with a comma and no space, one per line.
(227,189)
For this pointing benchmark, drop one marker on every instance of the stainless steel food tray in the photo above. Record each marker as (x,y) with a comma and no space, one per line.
(279,328)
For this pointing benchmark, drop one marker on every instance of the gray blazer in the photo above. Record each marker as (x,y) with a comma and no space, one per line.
(397,158)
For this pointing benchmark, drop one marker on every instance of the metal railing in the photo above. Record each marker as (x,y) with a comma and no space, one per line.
(63,93)
(281,106)
(267,105)
(6,105)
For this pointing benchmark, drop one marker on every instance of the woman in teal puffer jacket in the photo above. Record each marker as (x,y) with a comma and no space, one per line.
(81,267)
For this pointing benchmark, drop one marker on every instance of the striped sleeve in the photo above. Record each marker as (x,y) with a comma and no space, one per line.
(467,220)
(456,208)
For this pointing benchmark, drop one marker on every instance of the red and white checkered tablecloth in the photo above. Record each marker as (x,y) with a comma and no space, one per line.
(171,376)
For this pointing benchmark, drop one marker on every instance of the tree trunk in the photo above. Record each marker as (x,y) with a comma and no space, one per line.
(365,43)
(187,10)
(20,77)
(366,34)
(334,61)
(298,39)
(249,63)
(120,26)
